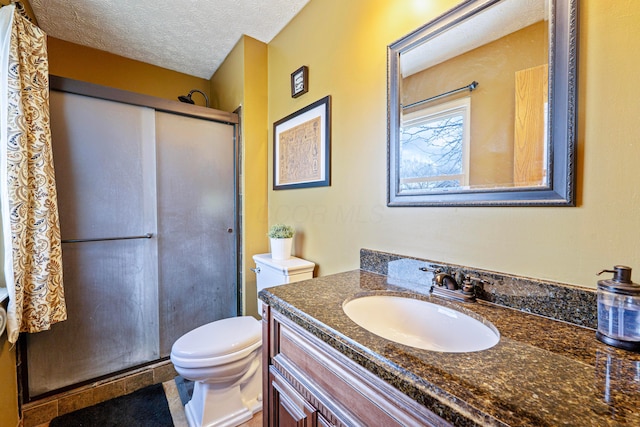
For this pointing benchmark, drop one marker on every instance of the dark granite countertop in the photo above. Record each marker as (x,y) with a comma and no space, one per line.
(543,372)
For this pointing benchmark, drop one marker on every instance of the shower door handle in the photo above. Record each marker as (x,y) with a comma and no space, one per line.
(103,239)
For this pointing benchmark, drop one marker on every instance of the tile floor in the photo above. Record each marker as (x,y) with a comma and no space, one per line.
(40,413)
(177,410)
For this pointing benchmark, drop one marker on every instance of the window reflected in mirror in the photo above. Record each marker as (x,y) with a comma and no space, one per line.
(434,147)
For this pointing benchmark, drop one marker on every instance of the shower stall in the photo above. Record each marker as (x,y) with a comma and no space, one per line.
(147,194)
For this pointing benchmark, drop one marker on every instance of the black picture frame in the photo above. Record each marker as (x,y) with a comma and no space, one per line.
(300,81)
(302,147)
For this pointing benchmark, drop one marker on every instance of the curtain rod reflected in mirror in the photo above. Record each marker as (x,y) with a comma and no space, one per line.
(510,144)
(471,87)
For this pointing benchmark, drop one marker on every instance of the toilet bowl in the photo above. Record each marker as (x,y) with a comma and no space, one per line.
(224,360)
(224,357)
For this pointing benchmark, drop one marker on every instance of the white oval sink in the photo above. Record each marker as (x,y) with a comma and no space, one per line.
(421,324)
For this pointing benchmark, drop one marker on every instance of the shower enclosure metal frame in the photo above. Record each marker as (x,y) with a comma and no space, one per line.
(160,106)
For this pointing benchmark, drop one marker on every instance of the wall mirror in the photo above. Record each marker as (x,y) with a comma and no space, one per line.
(482,107)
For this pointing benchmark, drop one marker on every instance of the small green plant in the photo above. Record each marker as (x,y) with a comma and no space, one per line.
(281,231)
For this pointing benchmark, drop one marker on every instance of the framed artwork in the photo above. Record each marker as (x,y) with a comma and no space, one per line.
(301,147)
(300,81)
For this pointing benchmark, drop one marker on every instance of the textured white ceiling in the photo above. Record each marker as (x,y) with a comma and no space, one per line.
(190,36)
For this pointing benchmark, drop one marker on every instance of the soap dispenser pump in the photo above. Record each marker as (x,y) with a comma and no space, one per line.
(619,310)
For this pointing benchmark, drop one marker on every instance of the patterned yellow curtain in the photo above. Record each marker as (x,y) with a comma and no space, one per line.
(31,230)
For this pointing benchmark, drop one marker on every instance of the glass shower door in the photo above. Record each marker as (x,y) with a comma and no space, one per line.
(197,268)
(147,205)
(104,157)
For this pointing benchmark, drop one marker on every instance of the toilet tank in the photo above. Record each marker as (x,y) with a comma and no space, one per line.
(273,272)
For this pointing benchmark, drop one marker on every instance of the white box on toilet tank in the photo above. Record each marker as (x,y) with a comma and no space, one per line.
(272,272)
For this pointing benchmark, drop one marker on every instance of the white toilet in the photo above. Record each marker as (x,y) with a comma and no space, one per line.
(224,358)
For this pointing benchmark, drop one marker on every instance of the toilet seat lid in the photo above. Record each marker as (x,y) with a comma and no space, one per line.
(218,338)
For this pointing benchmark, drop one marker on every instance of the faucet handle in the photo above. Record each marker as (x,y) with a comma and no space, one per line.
(470,284)
(468,287)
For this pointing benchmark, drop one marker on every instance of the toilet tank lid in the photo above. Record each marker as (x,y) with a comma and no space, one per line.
(289,266)
(218,338)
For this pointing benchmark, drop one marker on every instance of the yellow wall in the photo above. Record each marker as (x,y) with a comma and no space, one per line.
(344,45)
(242,80)
(95,66)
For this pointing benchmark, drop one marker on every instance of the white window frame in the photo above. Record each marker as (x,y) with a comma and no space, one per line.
(461,106)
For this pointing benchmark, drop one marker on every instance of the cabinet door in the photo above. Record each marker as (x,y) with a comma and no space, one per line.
(289,408)
(343,393)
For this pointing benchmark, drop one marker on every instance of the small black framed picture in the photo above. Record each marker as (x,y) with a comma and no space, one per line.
(300,81)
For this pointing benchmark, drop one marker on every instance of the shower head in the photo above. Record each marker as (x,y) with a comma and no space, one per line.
(187,98)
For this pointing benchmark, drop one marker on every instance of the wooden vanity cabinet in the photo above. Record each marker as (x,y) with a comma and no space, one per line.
(307,383)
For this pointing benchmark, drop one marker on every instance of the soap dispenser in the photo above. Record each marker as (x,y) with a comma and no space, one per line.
(619,310)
